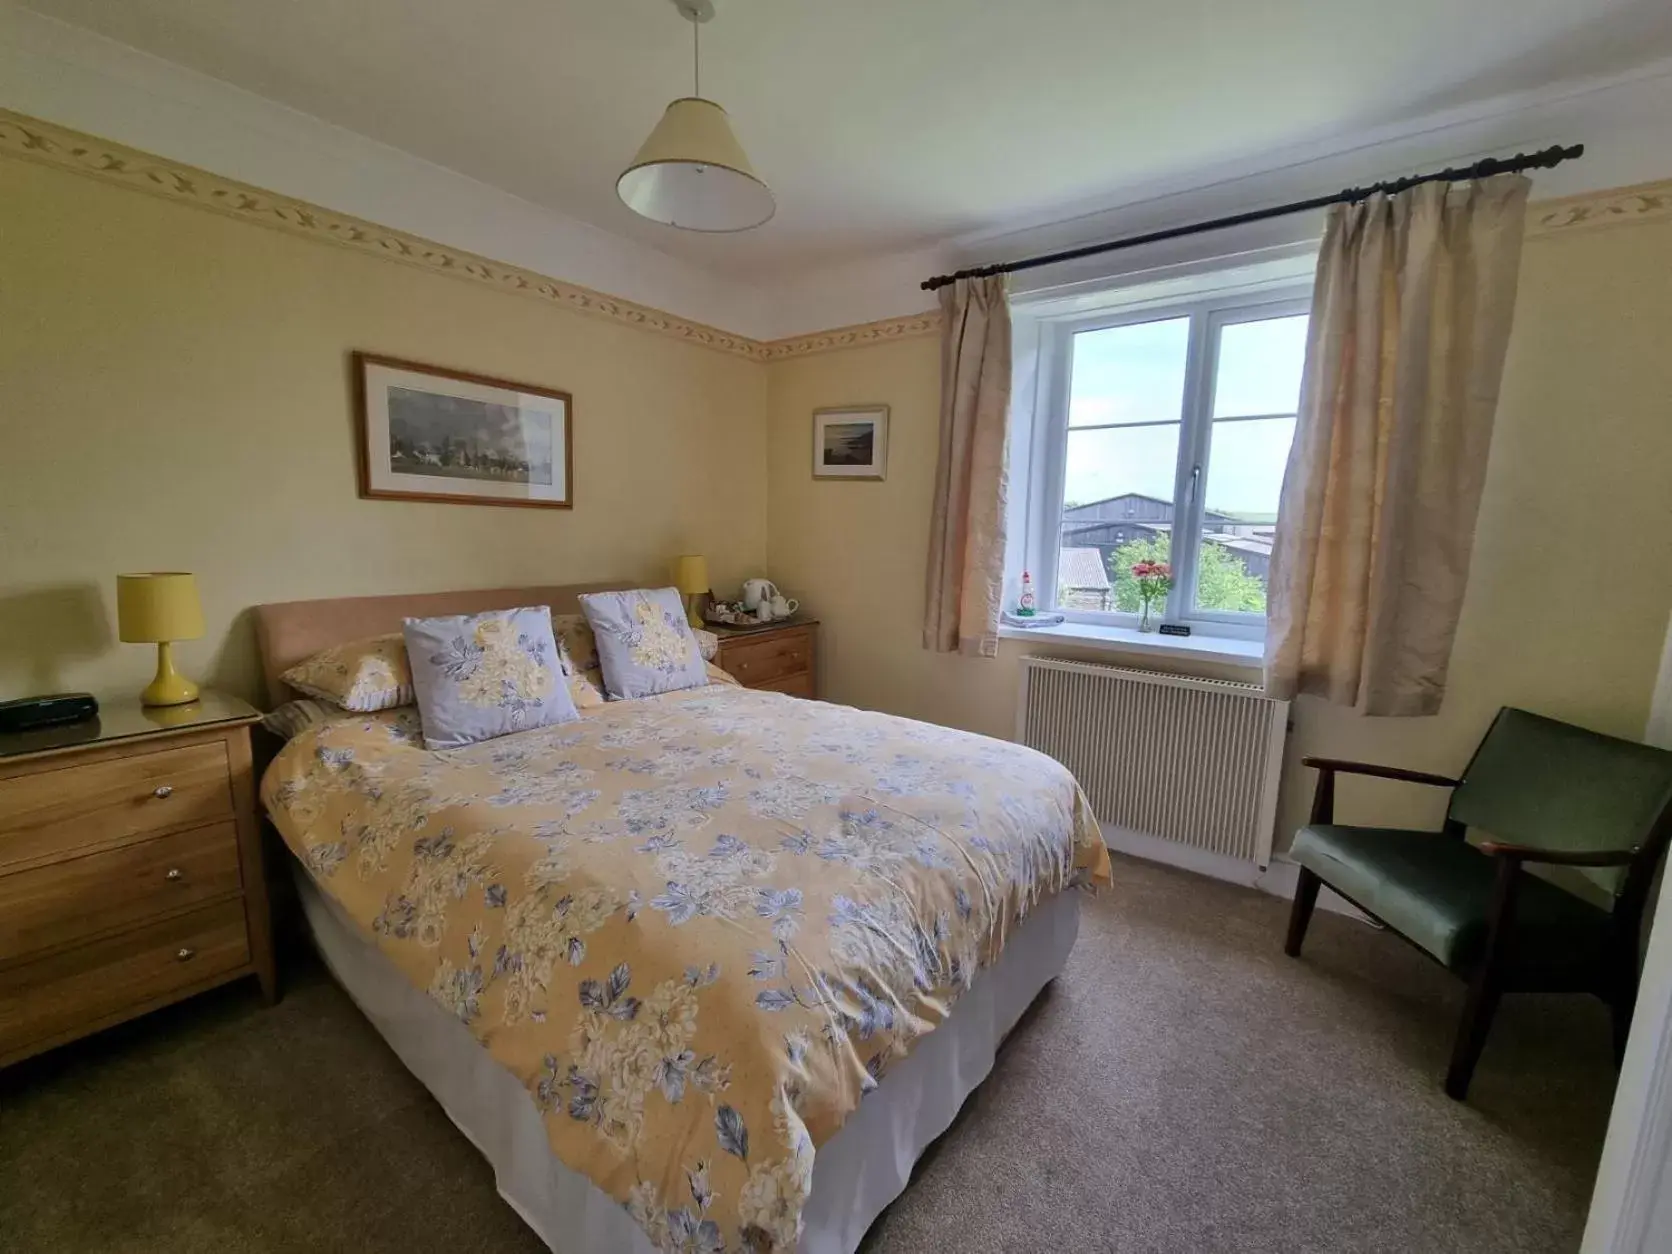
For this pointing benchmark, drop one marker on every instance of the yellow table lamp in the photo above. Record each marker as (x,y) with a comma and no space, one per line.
(160,607)
(690,576)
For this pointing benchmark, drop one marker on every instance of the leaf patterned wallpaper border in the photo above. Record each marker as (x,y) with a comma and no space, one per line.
(49,144)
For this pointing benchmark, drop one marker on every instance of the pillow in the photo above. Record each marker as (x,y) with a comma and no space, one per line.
(479,676)
(363,675)
(644,643)
(578,653)
(708,644)
(293,718)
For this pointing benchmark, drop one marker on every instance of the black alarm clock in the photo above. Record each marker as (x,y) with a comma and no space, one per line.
(53,710)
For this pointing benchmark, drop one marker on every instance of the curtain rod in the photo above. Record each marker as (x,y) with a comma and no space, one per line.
(1544,160)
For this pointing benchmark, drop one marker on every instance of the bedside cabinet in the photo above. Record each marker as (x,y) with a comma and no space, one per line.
(780,657)
(130,868)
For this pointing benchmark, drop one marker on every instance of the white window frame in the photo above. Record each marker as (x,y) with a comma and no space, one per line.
(1221,300)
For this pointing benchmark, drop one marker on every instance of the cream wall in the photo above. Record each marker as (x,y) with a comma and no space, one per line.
(175,394)
(1572,577)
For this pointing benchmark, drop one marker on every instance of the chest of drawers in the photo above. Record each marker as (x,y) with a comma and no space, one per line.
(130,869)
(778,659)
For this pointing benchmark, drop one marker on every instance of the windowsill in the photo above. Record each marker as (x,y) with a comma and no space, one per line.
(1223,649)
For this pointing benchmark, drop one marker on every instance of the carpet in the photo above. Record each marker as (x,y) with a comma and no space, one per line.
(1183,1087)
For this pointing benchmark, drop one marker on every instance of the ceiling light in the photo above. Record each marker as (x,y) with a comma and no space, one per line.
(692,173)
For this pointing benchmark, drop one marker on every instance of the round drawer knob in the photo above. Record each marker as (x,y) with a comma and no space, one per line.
(185,953)
(174,875)
(163,792)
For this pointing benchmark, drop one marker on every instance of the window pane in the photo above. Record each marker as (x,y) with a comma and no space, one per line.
(1129,374)
(1245,477)
(1259,367)
(1117,510)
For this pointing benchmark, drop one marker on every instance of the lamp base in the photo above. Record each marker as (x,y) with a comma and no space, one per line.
(169,687)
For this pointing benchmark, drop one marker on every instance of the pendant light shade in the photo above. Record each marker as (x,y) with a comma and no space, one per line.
(692,173)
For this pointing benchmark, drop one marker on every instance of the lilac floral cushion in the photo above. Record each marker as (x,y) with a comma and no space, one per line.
(644,643)
(478,676)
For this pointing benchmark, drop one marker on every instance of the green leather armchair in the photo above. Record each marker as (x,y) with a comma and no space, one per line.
(1536,791)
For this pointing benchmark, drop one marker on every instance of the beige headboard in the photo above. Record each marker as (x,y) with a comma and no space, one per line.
(290,631)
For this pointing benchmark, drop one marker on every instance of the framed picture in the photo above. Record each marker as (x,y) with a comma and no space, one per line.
(428,434)
(851,442)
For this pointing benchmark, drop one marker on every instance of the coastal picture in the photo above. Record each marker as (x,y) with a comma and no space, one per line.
(441,435)
(851,442)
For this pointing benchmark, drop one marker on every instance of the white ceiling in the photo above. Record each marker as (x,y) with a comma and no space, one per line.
(881,125)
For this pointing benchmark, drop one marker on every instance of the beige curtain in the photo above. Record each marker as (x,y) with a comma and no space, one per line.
(966,537)
(1410,318)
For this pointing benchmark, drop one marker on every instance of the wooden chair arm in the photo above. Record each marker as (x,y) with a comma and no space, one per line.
(1323,797)
(1557,857)
(1381,772)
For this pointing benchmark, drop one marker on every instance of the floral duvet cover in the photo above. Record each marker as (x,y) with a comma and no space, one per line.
(698,927)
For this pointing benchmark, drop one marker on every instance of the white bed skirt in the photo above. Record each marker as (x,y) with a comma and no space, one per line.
(856,1174)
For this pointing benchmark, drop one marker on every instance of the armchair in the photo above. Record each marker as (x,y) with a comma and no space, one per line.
(1536,791)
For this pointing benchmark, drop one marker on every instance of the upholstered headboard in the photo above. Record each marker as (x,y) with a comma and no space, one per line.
(289,631)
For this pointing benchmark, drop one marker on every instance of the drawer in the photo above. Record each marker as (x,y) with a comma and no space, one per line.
(53,812)
(92,984)
(62,902)
(791,685)
(758,661)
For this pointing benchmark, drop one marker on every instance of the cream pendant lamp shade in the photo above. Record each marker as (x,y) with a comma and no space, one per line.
(692,173)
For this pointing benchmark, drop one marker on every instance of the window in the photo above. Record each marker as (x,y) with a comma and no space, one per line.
(1160,432)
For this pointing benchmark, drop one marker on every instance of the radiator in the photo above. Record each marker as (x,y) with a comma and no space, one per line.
(1195,761)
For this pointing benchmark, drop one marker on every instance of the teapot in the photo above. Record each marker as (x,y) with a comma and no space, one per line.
(782,608)
(756,591)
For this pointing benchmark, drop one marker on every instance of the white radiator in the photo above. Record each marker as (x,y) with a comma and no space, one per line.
(1194,761)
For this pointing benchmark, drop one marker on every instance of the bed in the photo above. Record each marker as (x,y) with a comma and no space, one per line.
(700,971)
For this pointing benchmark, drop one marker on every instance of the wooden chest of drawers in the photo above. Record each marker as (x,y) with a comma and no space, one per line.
(130,870)
(779,659)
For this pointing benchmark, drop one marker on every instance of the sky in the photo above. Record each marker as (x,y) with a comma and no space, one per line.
(1135,374)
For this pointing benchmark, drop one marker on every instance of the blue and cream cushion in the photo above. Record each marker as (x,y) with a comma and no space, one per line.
(362,675)
(484,675)
(644,643)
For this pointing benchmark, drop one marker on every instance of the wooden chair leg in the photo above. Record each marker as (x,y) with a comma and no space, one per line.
(1300,914)
(1621,1008)
(1478,1010)
(1622,999)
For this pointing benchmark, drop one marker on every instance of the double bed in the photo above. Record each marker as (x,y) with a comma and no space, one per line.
(701,971)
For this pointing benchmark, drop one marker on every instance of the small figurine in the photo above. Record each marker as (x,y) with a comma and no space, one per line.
(1025,604)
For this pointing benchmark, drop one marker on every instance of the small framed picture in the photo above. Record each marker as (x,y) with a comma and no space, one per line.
(428,434)
(850,442)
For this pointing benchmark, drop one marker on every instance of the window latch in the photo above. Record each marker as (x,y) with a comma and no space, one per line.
(1195,479)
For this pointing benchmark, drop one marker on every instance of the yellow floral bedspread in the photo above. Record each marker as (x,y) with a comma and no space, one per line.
(697,927)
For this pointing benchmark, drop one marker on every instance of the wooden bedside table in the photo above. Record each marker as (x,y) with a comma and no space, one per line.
(130,868)
(779,657)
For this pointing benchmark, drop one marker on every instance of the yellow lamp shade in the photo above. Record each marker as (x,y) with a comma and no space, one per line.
(690,574)
(158,606)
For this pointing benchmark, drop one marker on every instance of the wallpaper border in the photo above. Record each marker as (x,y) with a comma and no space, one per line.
(1588,211)
(50,144)
(860,335)
(53,145)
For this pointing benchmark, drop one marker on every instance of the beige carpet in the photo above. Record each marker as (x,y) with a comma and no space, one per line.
(1184,1087)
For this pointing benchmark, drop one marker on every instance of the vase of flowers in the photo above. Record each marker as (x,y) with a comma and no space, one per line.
(1155,581)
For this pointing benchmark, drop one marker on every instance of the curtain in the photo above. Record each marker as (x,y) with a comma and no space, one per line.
(1411,314)
(966,535)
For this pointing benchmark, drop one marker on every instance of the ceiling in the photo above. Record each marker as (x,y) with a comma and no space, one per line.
(881,125)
